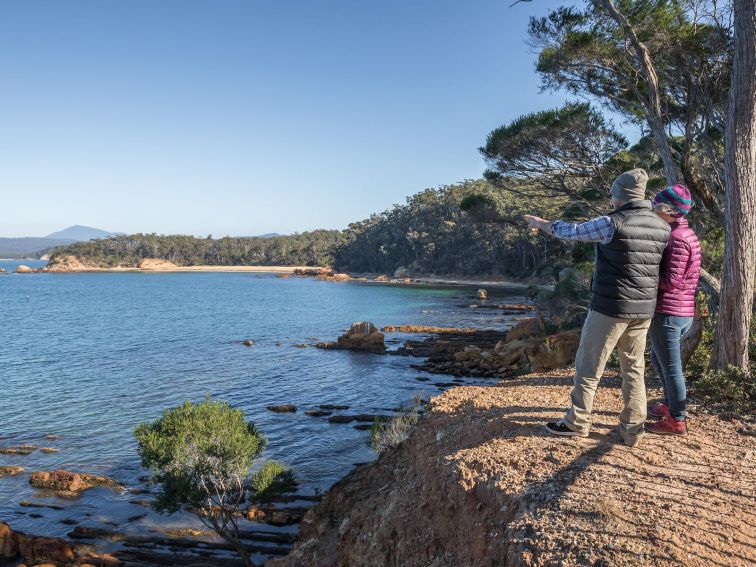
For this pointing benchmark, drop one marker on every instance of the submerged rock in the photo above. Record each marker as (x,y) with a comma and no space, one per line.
(317,412)
(333,407)
(10,470)
(336,278)
(341,419)
(22,450)
(248,342)
(282,408)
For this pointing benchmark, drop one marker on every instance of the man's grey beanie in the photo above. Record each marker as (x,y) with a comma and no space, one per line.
(630,186)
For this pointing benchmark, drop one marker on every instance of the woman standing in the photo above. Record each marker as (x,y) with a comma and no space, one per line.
(675,308)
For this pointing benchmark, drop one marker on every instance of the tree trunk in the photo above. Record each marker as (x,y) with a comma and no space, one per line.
(736,301)
(652,104)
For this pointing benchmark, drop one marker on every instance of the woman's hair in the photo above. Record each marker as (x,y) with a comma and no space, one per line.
(666,209)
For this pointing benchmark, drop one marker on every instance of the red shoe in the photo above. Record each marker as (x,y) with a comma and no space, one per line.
(668,426)
(658,409)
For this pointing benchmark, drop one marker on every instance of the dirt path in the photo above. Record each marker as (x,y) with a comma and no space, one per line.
(480,483)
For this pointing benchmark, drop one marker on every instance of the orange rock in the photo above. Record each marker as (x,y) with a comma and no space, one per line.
(8,542)
(38,549)
(10,470)
(67,481)
(530,327)
(68,263)
(426,329)
(554,351)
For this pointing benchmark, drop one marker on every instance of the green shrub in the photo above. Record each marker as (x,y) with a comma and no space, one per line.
(387,434)
(201,454)
(734,389)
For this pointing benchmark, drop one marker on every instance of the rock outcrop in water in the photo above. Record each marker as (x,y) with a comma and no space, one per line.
(34,550)
(70,482)
(480,484)
(282,408)
(22,269)
(68,263)
(10,470)
(361,336)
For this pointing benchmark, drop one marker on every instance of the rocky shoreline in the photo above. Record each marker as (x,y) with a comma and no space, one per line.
(71,264)
(94,544)
(83,541)
(476,484)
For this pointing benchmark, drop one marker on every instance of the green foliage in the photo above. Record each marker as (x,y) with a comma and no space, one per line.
(430,234)
(197,450)
(700,360)
(271,480)
(308,248)
(562,152)
(201,454)
(387,434)
(585,52)
(567,287)
(712,248)
(734,389)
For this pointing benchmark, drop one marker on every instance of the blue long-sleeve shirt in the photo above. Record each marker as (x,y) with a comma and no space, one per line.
(601,230)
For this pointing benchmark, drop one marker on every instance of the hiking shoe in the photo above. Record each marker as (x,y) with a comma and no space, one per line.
(659,409)
(561,428)
(668,426)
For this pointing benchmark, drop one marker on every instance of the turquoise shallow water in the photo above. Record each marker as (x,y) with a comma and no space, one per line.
(89,356)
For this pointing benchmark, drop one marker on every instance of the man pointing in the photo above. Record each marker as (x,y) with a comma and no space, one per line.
(629,245)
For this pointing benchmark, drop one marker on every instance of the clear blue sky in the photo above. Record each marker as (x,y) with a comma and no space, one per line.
(245,117)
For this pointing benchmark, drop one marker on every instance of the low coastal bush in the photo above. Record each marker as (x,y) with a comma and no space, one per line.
(201,455)
(734,389)
(387,434)
(731,391)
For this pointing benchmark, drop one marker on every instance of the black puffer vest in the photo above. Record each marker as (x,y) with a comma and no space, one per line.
(626,279)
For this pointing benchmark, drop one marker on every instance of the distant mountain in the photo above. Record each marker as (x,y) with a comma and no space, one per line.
(33,246)
(30,246)
(78,232)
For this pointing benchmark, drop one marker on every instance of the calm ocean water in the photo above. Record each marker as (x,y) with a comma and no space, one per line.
(89,356)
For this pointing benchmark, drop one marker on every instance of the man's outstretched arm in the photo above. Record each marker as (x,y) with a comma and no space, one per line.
(600,229)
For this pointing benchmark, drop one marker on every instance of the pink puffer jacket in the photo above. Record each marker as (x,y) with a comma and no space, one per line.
(680,270)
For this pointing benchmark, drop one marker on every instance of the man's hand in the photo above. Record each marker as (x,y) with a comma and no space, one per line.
(537,223)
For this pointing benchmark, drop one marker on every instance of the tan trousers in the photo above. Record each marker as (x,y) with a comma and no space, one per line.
(597,341)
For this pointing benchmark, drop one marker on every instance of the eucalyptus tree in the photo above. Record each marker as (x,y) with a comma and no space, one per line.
(736,303)
(663,64)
